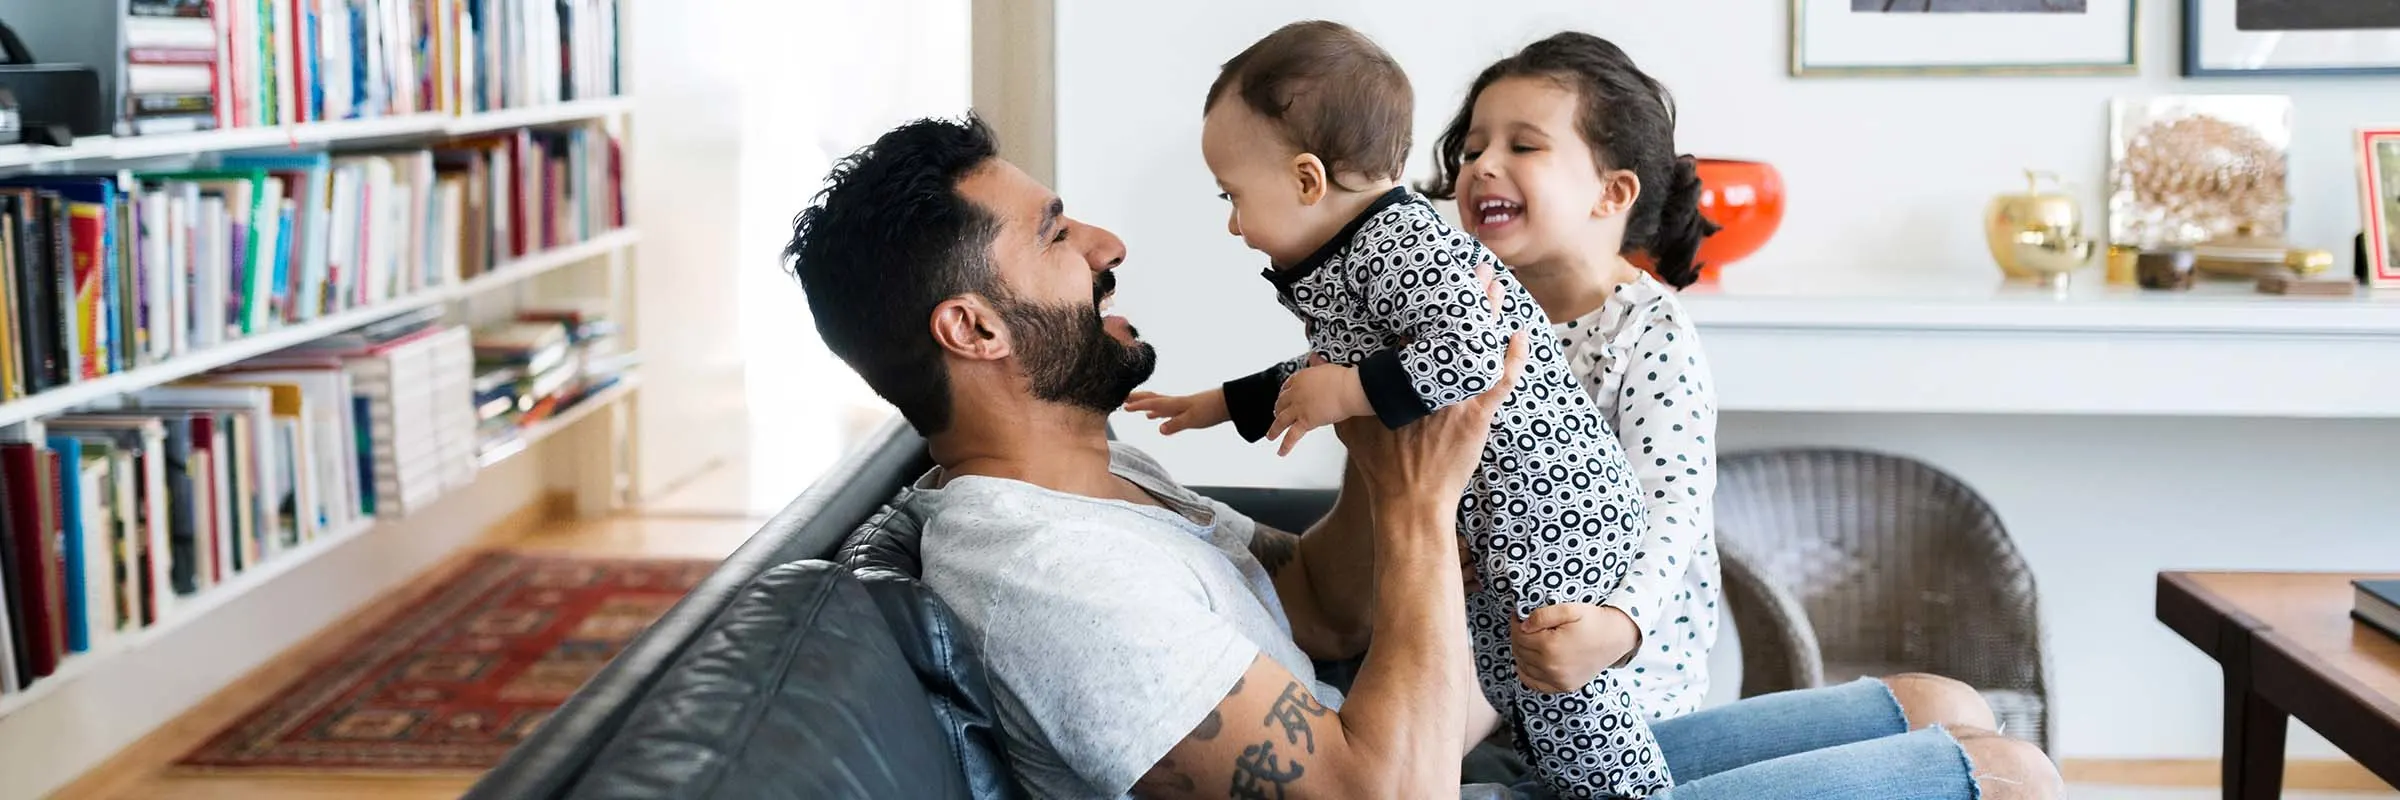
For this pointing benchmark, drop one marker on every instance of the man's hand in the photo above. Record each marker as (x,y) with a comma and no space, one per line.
(1561,648)
(1183,412)
(1312,398)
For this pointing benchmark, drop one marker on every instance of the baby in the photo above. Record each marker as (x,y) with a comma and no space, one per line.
(1306,132)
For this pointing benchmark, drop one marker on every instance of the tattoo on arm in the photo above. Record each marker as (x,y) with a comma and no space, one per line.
(1273,548)
(1260,773)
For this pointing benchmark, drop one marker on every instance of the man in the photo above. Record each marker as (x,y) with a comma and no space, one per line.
(1143,639)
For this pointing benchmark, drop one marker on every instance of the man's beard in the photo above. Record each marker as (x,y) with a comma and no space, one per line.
(1069,357)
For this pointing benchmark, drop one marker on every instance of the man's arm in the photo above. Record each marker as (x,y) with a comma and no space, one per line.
(1399,733)
(1396,735)
(1323,578)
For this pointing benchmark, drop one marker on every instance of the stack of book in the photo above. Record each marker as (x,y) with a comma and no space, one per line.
(549,359)
(409,380)
(100,274)
(123,511)
(182,65)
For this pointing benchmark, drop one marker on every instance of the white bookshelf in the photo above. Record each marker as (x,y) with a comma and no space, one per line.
(200,603)
(23,416)
(348,131)
(76,394)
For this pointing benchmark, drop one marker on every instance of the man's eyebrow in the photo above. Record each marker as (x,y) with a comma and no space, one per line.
(1050,215)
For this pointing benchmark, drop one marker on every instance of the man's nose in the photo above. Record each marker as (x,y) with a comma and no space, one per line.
(1106,250)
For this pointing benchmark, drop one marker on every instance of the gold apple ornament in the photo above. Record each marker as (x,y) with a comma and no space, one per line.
(2038,235)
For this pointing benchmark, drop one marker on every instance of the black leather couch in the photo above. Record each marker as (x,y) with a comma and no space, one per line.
(810,665)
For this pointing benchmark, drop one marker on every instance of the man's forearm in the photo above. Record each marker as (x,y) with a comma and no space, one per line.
(1409,701)
(1335,547)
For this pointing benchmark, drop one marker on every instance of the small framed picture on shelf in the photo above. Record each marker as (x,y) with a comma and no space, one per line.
(2379,183)
(1964,37)
(2290,37)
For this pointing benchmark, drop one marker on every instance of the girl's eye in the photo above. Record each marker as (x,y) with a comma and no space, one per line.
(1225,196)
(1521,149)
(1062,234)
(1472,154)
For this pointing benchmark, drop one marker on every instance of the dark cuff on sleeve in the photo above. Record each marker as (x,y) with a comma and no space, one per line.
(1250,402)
(1389,391)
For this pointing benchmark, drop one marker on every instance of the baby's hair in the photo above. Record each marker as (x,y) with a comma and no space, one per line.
(1628,118)
(1331,92)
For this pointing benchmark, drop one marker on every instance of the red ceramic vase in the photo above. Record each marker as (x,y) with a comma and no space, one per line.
(1745,200)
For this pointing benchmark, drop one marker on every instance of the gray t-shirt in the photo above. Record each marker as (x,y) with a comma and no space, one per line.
(1110,628)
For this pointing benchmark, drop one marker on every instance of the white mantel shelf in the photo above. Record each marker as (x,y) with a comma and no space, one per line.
(1985,346)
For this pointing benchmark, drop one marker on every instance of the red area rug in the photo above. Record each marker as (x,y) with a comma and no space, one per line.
(463,675)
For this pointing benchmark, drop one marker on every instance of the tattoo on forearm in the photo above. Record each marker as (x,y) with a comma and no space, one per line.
(1273,548)
(1209,727)
(1292,710)
(1259,775)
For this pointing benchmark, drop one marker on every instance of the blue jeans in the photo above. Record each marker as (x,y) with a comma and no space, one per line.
(1847,742)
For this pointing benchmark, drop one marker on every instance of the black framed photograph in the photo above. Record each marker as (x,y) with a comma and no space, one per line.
(2291,37)
(1964,37)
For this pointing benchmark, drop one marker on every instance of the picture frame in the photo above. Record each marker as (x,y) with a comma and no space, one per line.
(1835,38)
(2379,192)
(2226,38)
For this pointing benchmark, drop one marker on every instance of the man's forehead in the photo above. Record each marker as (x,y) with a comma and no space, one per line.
(1008,194)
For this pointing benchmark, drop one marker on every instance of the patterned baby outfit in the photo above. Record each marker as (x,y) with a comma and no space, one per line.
(1553,512)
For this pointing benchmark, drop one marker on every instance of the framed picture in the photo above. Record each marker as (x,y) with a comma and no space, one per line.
(2290,37)
(1964,37)
(2379,178)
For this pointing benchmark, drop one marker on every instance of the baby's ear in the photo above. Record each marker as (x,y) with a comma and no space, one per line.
(1309,172)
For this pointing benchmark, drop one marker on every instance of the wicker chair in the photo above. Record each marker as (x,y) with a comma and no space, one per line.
(1841,563)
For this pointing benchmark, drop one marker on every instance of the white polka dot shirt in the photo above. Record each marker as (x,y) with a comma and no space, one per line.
(1640,359)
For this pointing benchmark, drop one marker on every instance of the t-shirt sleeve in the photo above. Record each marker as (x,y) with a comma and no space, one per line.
(1114,655)
(1419,281)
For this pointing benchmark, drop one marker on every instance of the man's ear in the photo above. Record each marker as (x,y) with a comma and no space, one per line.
(968,326)
(1310,172)
(1618,189)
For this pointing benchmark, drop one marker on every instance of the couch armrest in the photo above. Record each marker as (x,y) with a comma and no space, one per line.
(550,760)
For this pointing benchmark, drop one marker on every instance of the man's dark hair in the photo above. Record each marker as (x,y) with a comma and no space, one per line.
(889,238)
(1332,93)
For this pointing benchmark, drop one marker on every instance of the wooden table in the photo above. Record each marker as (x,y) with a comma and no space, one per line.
(2290,649)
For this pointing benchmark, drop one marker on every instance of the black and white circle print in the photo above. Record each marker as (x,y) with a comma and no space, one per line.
(1555,510)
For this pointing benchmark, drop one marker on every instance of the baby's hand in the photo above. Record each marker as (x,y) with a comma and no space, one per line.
(1315,397)
(1562,647)
(1183,413)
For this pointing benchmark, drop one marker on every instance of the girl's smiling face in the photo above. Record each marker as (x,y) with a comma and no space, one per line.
(1528,186)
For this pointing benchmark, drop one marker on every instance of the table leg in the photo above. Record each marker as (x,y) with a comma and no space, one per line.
(2254,736)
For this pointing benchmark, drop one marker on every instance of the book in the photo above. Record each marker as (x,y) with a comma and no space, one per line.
(2378,605)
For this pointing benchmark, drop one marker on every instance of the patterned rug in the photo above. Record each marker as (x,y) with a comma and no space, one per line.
(461,676)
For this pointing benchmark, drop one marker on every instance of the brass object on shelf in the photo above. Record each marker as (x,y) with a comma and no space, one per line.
(2037,235)
(2304,262)
(2124,264)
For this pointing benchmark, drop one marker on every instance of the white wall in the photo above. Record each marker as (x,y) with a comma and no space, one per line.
(1885,175)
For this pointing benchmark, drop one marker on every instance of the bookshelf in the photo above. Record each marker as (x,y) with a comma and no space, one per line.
(199,605)
(513,272)
(474,189)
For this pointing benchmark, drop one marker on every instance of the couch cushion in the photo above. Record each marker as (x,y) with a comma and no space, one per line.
(882,552)
(797,690)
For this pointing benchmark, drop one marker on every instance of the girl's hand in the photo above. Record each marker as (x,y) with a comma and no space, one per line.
(1184,412)
(1562,647)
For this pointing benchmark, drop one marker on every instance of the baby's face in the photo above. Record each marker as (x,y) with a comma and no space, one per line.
(1262,180)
